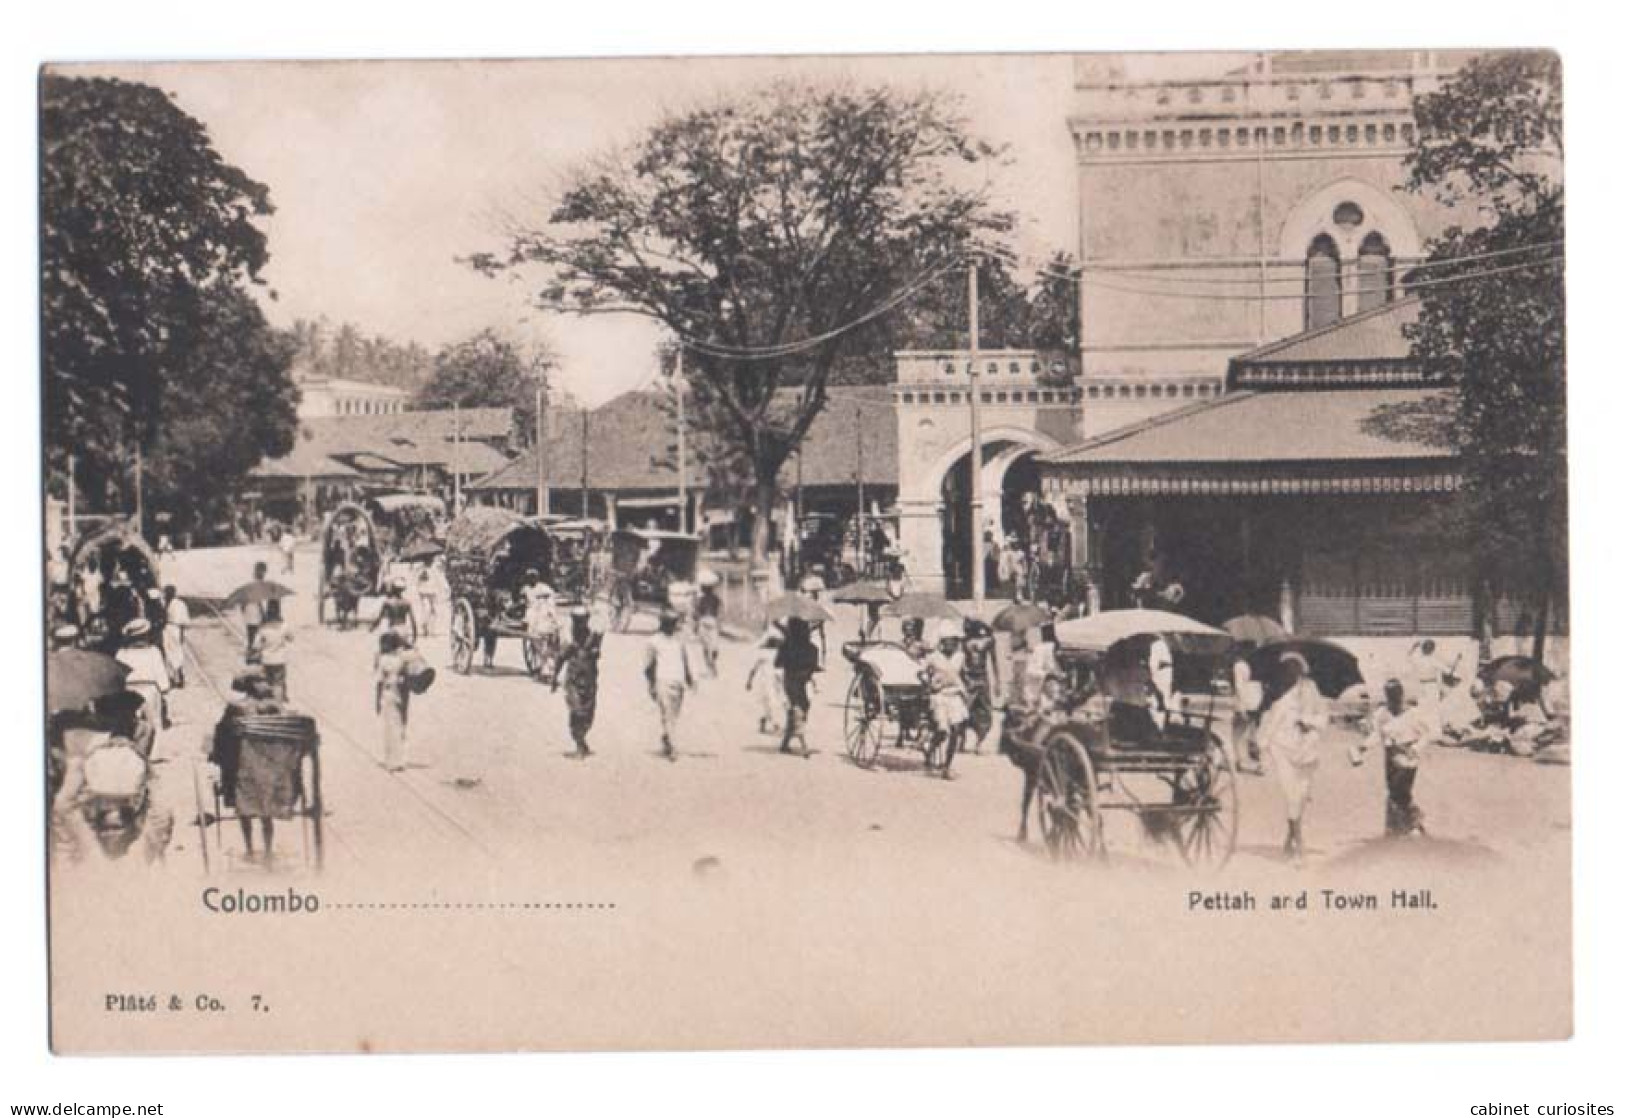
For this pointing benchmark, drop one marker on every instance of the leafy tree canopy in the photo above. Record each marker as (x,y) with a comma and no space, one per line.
(1490,144)
(770,222)
(143,228)
(490,370)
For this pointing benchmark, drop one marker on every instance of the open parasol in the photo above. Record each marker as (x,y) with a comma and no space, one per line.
(74,677)
(1099,632)
(794,605)
(863,592)
(1335,669)
(1018,617)
(1258,628)
(924,606)
(260,590)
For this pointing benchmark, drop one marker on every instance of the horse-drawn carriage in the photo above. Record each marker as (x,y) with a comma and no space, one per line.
(493,556)
(113,579)
(1112,740)
(362,540)
(644,565)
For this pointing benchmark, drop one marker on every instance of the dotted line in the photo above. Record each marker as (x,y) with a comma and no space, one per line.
(474,906)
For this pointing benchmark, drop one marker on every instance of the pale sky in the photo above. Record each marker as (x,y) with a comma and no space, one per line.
(384,173)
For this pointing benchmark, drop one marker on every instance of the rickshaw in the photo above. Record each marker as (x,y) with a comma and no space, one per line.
(1107,742)
(644,562)
(112,577)
(488,552)
(286,746)
(886,703)
(577,546)
(362,539)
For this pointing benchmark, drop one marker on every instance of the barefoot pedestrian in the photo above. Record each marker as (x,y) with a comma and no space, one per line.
(393,695)
(579,670)
(1290,731)
(798,659)
(670,676)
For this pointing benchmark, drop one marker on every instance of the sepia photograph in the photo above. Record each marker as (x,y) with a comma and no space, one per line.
(805,552)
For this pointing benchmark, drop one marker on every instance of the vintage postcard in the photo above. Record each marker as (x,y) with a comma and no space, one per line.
(803,552)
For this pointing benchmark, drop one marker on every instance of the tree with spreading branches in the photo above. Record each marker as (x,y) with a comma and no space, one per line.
(1490,145)
(771,233)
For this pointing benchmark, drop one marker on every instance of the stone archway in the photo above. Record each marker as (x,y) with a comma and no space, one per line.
(934,502)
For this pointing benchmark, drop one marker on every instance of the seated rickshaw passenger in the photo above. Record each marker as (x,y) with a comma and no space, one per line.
(914,638)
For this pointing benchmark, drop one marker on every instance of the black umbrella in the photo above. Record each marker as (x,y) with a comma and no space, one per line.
(1516,670)
(795,605)
(1018,617)
(1334,668)
(260,590)
(74,677)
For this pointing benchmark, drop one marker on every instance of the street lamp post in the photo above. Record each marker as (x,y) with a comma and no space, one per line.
(978,592)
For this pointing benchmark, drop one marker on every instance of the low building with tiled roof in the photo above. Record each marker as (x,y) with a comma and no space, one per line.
(1319,488)
(340,457)
(622,456)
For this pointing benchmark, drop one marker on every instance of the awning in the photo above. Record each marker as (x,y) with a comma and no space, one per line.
(1269,443)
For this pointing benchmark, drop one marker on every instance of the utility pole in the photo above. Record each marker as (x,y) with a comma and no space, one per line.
(585,488)
(682,444)
(543,505)
(976,559)
(456,447)
(73,470)
(140,508)
(862,538)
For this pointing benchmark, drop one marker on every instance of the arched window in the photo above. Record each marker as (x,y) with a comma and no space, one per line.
(1323,284)
(1374,273)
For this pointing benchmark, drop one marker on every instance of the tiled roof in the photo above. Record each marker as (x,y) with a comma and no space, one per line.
(1373,335)
(405,438)
(631,440)
(1331,425)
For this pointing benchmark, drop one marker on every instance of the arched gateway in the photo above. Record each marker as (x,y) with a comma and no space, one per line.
(1030,404)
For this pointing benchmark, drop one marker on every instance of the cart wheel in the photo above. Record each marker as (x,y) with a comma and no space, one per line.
(1210,813)
(865,721)
(463,633)
(533,658)
(1068,815)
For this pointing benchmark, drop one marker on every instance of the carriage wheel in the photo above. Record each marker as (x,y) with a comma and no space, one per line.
(463,633)
(1068,815)
(533,658)
(865,721)
(1208,824)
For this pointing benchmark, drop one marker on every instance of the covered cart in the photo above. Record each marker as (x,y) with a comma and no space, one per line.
(489,554)
(1119,739)
(361,540)
(113,576)
(644,563)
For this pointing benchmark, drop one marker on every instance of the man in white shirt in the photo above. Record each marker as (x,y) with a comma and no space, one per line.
(177,617)
(670,676)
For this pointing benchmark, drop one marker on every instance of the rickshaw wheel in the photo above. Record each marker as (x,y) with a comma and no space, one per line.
(462,632)
(533,658)
(1208,825)
(1068,814)
(865,722)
